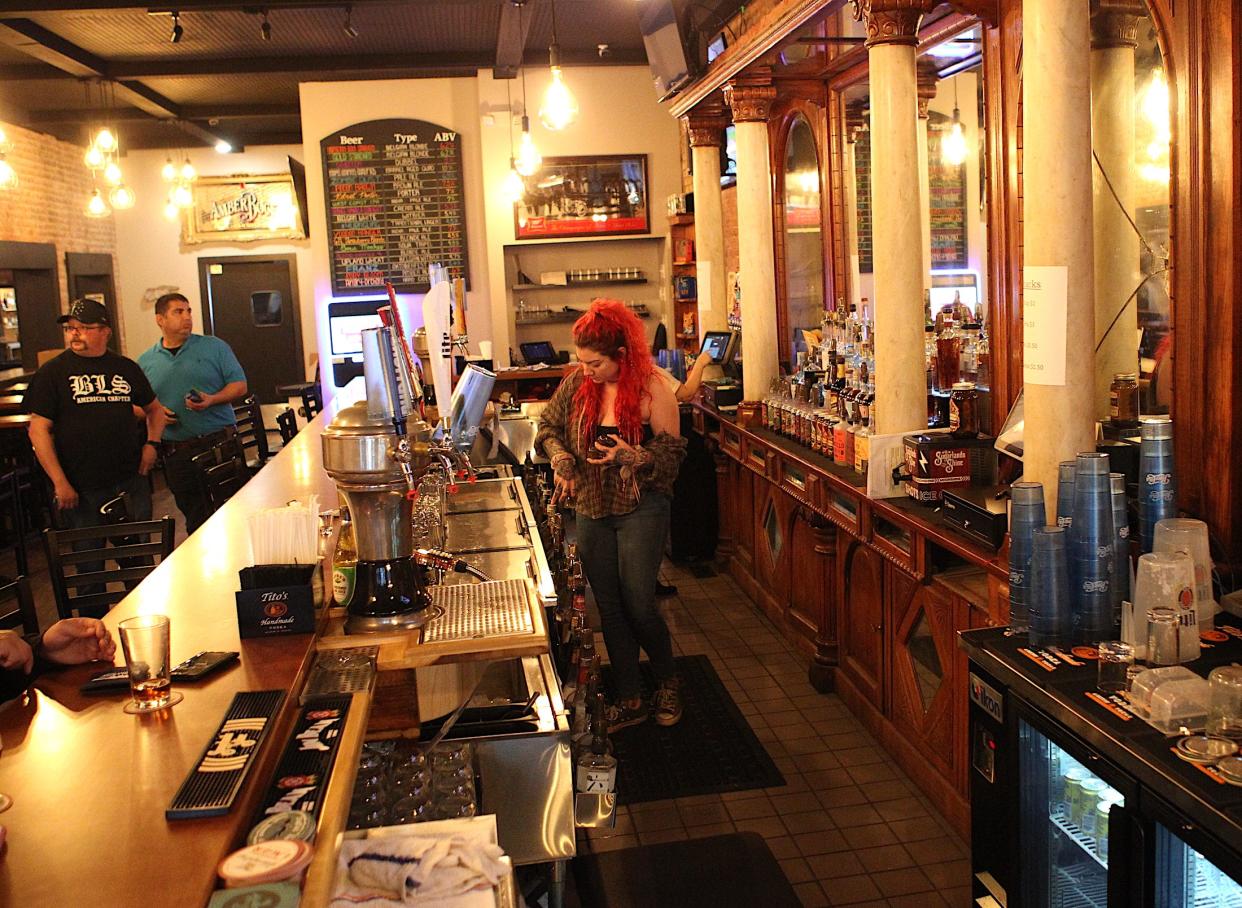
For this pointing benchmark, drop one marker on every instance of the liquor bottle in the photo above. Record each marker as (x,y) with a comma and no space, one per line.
(344,561)
(597,769)
(862,438)
(588,684)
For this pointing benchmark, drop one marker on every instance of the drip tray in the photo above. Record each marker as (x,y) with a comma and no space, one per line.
(506,564)
(485,531)
(484,495)
(500,608)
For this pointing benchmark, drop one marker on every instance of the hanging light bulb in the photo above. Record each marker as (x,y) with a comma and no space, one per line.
(528,160)
(169,171)
(953,146)
(112,173)
(94,158)
(559,107)
(97,207)
(122,197)
(105,140)
(1154,103)
(5,145)
(514,187)
(182,197)
(8,176)
(188,173)
(171,211)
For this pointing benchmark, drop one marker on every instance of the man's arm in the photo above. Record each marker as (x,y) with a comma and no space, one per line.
(44,444)
(234,390)
(156,418)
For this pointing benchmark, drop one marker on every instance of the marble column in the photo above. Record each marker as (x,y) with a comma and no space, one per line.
(1057,224)
(751,102)
(900,387)
(927,91)
(854,124)
(707,126)
(1114,29)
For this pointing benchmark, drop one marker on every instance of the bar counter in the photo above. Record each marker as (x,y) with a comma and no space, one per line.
(90,784)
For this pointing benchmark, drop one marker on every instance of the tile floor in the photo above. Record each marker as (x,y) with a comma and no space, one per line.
(848,827)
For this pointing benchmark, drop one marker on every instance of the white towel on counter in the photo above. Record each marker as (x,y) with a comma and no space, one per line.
(415,870)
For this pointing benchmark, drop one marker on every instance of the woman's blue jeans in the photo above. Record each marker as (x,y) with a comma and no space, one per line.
(621,556)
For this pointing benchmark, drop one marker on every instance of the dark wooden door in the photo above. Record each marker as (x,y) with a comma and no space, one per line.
(251,302)
(809,576)
(90,276)
(773,536)
(36,289)
(862,619)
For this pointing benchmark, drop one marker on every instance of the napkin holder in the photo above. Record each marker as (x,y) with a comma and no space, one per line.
(278,599)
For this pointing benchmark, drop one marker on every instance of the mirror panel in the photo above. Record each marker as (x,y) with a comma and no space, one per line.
(804,235)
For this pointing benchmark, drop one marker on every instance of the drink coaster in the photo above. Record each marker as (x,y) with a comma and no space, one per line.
(1205,748)
(1230,770)
(134,708)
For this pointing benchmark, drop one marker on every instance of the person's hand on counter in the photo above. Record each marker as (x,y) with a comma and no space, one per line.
(72,641)
(15,653)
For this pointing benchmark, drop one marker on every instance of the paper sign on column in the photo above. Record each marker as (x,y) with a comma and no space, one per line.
(704,274)
(1045,308)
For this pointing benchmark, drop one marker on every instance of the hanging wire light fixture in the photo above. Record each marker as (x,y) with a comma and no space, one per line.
(514,187)
(559,108)
(953,146)
(528,160)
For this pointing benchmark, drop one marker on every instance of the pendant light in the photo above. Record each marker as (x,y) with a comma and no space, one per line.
(953,146)
(514,187)
(527,161)
(171,211)
(97,207)
(121,198)
(559,108)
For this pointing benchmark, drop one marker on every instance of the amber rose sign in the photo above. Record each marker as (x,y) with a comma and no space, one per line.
(243,209)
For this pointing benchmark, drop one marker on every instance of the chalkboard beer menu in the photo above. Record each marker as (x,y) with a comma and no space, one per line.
(395,204)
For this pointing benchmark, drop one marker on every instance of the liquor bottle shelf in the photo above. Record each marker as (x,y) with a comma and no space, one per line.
(590,282)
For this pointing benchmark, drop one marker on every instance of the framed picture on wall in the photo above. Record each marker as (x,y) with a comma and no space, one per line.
(584,195)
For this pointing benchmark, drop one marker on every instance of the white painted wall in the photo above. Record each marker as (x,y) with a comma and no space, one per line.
(150,252)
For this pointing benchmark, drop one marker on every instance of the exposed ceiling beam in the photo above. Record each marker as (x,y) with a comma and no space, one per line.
(38,42)
(511,39)
(24,8)
(206,112)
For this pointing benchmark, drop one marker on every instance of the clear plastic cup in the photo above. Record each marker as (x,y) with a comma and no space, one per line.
(1181,534)
(1166,580)
(1225,702)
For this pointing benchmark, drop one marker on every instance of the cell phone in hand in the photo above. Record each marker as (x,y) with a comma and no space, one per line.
(195,396)
(605,435)
(608,441)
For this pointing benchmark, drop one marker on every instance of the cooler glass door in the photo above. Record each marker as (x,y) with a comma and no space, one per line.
(1186,879)
(1065,811)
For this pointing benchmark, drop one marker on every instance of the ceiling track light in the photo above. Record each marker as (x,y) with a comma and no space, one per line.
(265,29)
(349,24)
(177,30)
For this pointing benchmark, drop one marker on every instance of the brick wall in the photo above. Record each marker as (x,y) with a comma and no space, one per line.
(49,204)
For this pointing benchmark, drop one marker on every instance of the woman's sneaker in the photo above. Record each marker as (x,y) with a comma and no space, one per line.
(620,716)
(667,703)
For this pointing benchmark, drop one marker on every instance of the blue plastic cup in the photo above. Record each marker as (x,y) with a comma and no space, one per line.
(1091,551)
(1121,542)
(1048,598)
(1065,493)
(1157,479)
(1026,514)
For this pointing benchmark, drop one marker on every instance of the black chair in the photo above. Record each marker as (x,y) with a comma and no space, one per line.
(287,422)
(23,614)
(251,433)
(13,518)
(312,401)
(221,472)
(87,593)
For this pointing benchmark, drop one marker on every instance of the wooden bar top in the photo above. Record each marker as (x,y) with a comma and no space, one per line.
(90,783)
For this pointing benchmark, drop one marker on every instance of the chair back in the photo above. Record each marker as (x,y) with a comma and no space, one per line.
(287,422)
(251,433)
(17,608)
(221,472)
(312,401)
(13,518)
(136,548)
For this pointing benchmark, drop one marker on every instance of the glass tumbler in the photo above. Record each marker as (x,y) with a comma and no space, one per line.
(1115,659)
(1225,702)
(1162,637)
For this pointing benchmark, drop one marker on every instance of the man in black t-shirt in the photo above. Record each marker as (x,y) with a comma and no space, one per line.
(83,429)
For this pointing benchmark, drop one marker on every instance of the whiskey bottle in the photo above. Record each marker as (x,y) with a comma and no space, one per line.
(597,769)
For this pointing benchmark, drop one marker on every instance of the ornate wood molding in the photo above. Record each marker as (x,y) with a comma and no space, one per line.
(892,21)
(927,83)
(751,102)
(707,123)
(988,11)
(1114,23)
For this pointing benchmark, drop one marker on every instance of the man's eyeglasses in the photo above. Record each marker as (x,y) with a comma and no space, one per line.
(80,329)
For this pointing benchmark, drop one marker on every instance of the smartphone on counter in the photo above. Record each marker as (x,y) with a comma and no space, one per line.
(195,668)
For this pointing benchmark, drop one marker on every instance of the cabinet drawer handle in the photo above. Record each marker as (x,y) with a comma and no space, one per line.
(877,628)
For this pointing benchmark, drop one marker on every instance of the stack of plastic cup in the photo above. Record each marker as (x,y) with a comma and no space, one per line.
(1121,542)
(1166,580)
(1180,534)
(1157,481)
(1048,592)
(1065,493)
(1091,551)
(1026,515)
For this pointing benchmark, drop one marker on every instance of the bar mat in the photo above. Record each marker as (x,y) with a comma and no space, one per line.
(711,750)
(734,869)
(212,785)
(306,765)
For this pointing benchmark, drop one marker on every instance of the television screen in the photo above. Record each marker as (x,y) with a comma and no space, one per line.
(667,46)
(728,157)
(347,321)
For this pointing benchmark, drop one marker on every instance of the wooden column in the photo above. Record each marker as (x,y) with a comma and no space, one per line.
(892,38)
(824,660)
(751,102)
(927,91)
(707,123)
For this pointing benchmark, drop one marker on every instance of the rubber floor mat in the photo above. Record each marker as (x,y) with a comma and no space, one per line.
(711,750)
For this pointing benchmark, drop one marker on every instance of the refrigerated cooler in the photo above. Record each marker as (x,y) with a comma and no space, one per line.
(1077,804)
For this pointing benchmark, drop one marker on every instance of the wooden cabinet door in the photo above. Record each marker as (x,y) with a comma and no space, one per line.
(742,491)
(924,668)
(861,618)
(773,517)
(810,575)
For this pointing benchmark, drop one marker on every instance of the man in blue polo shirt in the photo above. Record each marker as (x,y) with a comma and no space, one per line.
(197,378)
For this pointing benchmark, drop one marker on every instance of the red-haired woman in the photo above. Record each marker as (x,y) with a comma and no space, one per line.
(612,434)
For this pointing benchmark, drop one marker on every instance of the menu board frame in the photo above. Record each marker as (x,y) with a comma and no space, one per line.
(557,220)
(384,203)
